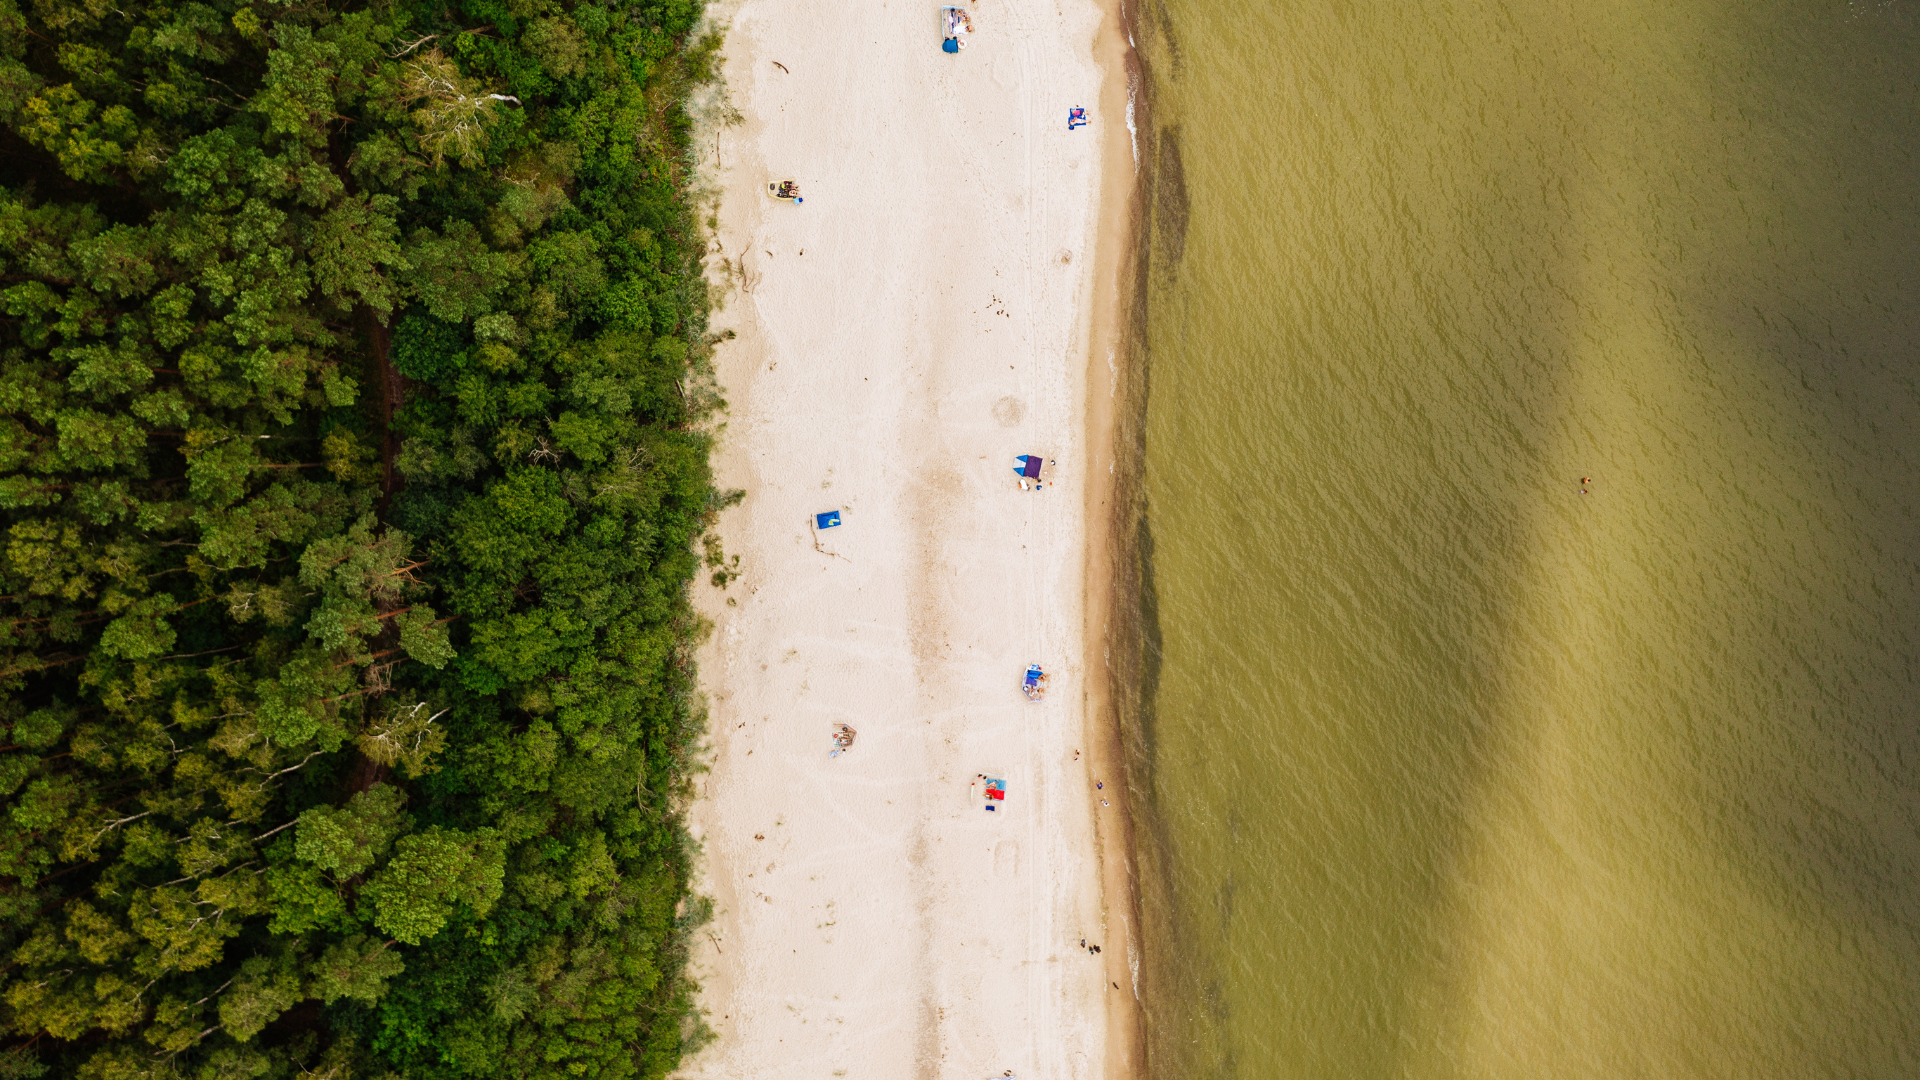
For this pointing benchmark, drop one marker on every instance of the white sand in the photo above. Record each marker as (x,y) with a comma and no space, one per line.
(922,318)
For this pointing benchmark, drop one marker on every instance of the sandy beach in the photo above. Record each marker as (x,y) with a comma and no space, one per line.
(941,302)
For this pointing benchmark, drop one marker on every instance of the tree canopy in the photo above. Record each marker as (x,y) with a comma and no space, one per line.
(351,470)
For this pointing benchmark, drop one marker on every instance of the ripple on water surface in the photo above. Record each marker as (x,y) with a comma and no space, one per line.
(1459,772)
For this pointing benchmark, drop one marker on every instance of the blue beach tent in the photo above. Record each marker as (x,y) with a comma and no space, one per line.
(950,46)
(827,520)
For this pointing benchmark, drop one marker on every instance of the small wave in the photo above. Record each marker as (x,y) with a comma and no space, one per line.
(1133,134)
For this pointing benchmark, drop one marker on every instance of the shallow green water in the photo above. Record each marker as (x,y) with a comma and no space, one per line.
(1454,771)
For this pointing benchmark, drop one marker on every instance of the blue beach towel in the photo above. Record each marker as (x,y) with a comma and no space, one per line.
(950,46)
(827,520)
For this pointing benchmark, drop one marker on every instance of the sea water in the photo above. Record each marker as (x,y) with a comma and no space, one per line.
(1532,467)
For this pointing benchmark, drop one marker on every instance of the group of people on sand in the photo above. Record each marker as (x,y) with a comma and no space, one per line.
(1030,475)
(1035,683)
(843,737)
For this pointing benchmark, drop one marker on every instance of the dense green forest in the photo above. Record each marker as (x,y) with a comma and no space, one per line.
(352,467)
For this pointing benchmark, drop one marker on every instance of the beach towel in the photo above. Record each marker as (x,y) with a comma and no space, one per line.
(827,520)
(1030,465)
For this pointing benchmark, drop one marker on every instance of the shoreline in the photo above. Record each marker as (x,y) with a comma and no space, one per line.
(919,938)
(1113,353)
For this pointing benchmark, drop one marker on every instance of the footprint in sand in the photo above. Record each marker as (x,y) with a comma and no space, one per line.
(1006,858)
